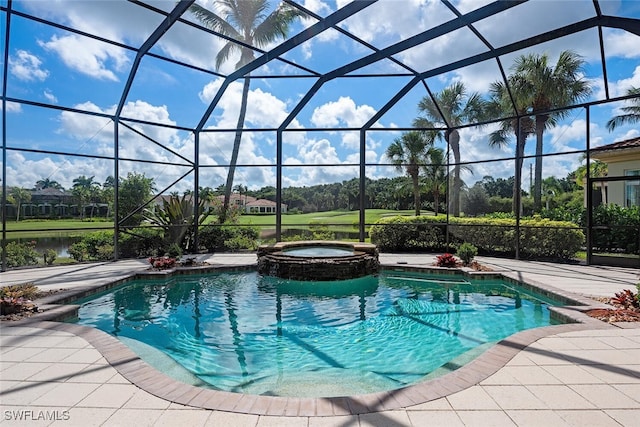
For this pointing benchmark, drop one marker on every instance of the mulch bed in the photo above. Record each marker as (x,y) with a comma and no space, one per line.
(615,313)
(612,315)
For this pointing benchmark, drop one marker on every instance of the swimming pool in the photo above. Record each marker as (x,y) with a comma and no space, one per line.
(242,332)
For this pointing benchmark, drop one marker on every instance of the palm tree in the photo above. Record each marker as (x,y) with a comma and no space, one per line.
(242,189)
(456,108)
(632,112)
(521,125)
(550,87)
(18,196)
(41,184)
(85,188)
(436,175)
(247,22)
(410,152)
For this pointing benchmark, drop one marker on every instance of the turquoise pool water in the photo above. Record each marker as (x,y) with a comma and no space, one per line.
(243,332)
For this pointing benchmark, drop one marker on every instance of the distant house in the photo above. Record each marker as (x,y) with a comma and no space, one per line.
(47,202)
(623,160)
(249,204)
(245,203)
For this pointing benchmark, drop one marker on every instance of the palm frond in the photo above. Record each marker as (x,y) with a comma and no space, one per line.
(632,112)
(276,25)
(214,22)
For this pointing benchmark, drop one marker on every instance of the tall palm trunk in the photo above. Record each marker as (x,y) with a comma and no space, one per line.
(521,140)
(413,171)
(453,138)
(235,151)
(537,187)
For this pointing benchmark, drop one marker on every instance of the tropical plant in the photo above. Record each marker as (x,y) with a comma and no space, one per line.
(176,218)
(631,113)
(245,23)
(451,108)
(409,152)
(18,196)
(17,298)
(446,260)
(627,299)
(511,102)
(549,87)
(162,263)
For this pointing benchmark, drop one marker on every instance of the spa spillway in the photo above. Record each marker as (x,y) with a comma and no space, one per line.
(318,260)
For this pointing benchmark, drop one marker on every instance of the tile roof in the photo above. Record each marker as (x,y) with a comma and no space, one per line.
(627,143)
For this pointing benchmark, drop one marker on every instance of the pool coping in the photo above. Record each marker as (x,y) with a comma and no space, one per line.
(146,377)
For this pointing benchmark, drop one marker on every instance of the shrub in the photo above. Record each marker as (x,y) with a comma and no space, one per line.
(141,242)
(79,251)
(174,251)
(49,256)
(104,252)
(539,237)
(402,233)
(229,237)
(321,231)
(446,260)
(467,252)
(500,204)
(21,254)
(623,228)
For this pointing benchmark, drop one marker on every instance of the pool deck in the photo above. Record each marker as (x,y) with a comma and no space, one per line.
(567,375)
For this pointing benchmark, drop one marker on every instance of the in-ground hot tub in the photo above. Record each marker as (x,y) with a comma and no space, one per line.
(318,260)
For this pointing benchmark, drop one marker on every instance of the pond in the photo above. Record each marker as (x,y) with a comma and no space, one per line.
(60,244)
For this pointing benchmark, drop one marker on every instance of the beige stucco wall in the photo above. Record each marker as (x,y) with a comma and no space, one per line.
(618,164)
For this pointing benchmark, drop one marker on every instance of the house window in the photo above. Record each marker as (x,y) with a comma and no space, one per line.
(632,189)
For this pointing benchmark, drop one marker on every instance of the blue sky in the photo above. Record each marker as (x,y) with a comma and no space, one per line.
(55,67)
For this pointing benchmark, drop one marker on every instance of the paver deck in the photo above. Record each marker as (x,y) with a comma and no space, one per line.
(566,375)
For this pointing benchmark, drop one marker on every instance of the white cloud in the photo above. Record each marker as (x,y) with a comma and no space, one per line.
(264,109)
(95,135)
(343,111)
(12,107)
(50,96)
(24,171)
(631,133)
(622,44)
(317,6)
(87,56)
(620,87)
(563,135)
(27,67)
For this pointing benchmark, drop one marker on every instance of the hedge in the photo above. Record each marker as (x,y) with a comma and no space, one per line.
(539,237)
(405,233)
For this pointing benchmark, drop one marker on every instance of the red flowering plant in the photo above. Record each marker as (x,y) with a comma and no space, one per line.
(446,260)
(17,298)
(162,263)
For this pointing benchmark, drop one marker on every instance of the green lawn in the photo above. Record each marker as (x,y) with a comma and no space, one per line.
(337,220)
